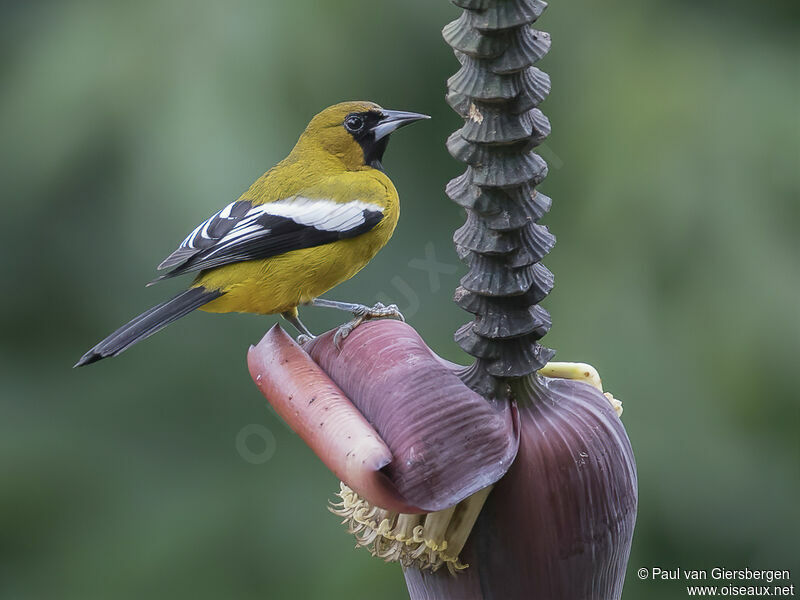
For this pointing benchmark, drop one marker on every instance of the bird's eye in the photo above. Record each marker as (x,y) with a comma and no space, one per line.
(354,123)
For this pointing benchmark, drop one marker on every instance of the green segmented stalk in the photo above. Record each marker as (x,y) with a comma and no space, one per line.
(497,91)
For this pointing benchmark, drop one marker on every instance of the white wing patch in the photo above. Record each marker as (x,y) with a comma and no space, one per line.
(323,215)
(241,231)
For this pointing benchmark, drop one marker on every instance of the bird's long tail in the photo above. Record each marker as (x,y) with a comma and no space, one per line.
(149,322)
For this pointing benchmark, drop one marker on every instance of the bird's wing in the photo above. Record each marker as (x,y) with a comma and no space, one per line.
(208,233)
(241,231)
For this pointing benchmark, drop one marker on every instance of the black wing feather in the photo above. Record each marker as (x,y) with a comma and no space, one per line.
(285,235)
(261,237)
(208,233)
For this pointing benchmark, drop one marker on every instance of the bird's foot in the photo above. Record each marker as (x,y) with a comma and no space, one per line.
(304,339)
(362,313)
(345,330)
(379,311)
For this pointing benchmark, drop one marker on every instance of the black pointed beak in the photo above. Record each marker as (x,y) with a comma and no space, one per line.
(394,119)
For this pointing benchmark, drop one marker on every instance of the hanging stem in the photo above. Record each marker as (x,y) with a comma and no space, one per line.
(497,91)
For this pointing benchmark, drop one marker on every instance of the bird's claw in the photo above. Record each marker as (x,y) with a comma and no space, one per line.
(378,311)
(304,339)
(345,330)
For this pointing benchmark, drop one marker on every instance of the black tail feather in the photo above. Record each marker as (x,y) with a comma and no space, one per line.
(149,322)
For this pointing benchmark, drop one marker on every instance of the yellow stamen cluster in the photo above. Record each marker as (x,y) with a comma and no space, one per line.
(580,372)
(615,404)
(426,541)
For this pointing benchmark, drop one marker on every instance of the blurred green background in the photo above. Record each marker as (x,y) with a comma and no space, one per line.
(674,172)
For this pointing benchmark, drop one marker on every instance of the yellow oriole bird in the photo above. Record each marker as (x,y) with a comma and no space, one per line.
(306,225)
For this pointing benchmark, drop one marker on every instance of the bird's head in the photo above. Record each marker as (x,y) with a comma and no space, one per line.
(356,132)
